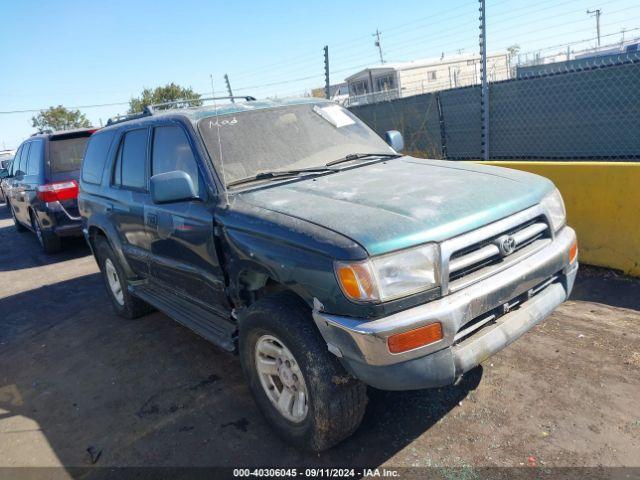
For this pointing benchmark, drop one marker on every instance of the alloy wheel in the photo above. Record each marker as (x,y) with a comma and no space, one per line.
(281,378)
(114,282)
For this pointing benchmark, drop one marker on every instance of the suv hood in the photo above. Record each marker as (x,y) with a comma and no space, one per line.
(407,201)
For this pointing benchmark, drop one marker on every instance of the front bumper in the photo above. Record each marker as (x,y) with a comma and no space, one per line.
(539,282)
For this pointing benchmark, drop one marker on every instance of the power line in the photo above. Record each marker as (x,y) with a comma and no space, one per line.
(577,42)
(582,20)
(499,31)
(36,110)
(293,80)
(297,80)
(312,59)
(333,46)
(491,23)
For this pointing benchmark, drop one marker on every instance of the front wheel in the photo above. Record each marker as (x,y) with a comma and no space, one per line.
(124,304)
(303,391)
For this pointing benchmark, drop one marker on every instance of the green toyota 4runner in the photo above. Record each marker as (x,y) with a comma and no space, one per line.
(291,233)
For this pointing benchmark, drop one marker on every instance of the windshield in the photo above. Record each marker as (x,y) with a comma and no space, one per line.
(285,138)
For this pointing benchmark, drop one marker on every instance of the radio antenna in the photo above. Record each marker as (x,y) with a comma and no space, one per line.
(224,175)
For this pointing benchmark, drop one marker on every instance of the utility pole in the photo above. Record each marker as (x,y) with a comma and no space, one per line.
(484,95)
(213,90)
(597,12)
(379,45)
(327,83)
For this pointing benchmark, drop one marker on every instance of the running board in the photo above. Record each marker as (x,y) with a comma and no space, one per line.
(205,323)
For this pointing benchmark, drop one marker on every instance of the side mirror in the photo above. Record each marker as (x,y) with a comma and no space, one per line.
(4,173)
(171,187)
(395,140)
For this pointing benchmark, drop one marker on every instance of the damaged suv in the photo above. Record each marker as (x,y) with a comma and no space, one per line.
(291,233)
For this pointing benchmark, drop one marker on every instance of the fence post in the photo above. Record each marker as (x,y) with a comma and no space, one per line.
(443,133)
(327,83)
(484,96)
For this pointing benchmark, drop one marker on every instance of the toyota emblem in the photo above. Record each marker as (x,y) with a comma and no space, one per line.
(507,245)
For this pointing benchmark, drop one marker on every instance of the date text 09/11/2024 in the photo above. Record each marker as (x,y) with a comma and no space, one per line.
(316,472)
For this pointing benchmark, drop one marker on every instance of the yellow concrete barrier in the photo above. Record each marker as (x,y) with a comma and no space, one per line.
(603,205)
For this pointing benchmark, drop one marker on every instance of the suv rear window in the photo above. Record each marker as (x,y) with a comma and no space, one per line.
(65,153)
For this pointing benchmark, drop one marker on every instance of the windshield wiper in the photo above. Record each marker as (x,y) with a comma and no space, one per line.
(278,174)
(358,156)
(272,174)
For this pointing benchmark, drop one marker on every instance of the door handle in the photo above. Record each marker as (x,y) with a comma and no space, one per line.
(152,220)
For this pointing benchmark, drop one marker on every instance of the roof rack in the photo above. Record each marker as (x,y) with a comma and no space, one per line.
(183,103)
(129,116)
(186,101)
(42,131)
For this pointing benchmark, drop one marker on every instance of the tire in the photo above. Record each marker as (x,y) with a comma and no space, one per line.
(19,227)
(49,241)
(335,401)
(124,304)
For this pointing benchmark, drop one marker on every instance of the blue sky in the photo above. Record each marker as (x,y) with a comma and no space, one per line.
(85,53)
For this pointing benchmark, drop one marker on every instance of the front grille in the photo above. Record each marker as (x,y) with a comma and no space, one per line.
(491,317)
(482,257)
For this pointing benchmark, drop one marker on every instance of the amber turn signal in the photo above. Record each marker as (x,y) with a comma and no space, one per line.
(573,252)
(419,337)
(349,282)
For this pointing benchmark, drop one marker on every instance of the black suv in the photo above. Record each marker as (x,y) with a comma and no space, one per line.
(292,233)
(41,186)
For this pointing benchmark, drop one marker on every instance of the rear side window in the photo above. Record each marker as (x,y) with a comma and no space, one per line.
(130,171)
(96,156)
(171,151)
(65,154)
(21,166)
(16,161)
(35,158)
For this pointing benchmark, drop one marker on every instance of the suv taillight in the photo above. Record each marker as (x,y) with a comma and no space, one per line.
(59,191)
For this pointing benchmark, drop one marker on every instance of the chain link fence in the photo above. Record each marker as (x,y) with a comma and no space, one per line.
(581,108)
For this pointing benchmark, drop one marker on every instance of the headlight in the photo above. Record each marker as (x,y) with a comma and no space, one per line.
(390,276)
(554,206)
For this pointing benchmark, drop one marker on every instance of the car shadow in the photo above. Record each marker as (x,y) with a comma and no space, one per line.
(20,250)
(103,391)
(601,285)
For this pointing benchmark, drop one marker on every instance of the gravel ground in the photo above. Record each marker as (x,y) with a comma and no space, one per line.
(80,386)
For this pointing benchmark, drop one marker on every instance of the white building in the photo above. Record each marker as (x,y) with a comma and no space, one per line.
(397,80)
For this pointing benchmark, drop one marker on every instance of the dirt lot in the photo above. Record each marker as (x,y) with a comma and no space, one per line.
(79,385)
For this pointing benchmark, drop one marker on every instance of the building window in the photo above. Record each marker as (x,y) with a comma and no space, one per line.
(359,88)
(384,83)
(432,76)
